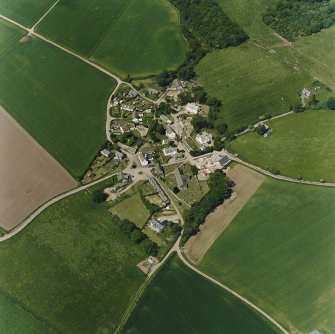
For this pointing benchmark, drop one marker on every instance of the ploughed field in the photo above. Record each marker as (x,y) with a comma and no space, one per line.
(301,145)
(136,37)
(71,268)
(279,253)
(178,300)
(58,99)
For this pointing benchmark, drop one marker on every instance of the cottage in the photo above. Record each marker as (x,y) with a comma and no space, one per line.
(127,107)
(144,162)
(192,108)
(105,153)
(204,138)
(169,151)
(165,119)
(170,133)
(156,226)
(181,184)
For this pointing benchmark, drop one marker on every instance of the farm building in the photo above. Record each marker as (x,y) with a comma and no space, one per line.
(165,119)
(156,226)
(105,153)
(192,108)
(169,151)
(224,161)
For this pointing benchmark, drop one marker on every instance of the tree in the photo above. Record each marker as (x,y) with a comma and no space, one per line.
(312,100)
(127,227)
(194,170)
(218,144)
(199,94)
(199,122)
(165,78)
(137,236)
(184,98)
(149,247)
(175,229)
(98,196)
(331,103)
(261,129)
(298,107)
(175,190)
(220,125)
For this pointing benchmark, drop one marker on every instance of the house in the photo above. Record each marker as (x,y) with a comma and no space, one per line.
(224,160)
(204,138)
(127,107)
(119,155)
(156,226)
(159,190)
(124,128)
(144,162)
(165,119)
(315,332)
(268,133)
(132,93)
(170,133)
(135,120)
(127,148)
(148,153)
(181,184)
(192,108)
(152,91)
(169,151)
(124,180)
(105,153)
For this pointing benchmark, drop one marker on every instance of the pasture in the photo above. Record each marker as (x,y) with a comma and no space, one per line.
(131,36)
(30,175)
(179,300)
(301,145)
(279,253)
(72,267)
(58,99)
(251,82)
(132,208)
(25,12)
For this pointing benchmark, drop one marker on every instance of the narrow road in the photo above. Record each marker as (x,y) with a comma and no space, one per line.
(46,13)
(244,300)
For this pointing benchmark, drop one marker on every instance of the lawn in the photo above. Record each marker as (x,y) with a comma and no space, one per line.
(58,99)
(72,268)
(180,301)
(132,208)
(317,55)
(251,82)
(25,12)
(279,253)
(139,37)
(301,144)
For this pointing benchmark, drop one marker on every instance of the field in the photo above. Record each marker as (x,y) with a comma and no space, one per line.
(316,52)
(279,253)
(25,12)
(72,267)
(133,209)
(180,301)
(246,182)
(251,82)
(14,320)
(30,176)
(301,144)
(131,36)
(58,99)
(9,35)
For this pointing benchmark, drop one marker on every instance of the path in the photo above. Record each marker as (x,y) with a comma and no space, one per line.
(244,300)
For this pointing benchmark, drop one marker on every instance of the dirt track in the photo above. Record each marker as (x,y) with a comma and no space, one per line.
(29,174)
(247,182)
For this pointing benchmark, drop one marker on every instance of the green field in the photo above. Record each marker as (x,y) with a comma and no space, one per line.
(72,267)
(14,320)
(58,99)
(139,37)
(180,301)
(301,145)
(251,82)
(25,12)
(279,252)
(9,35)
(133,209)
(317,55)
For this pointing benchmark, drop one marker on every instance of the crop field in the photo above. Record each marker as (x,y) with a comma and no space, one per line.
(180,301)
(9,35)
(72,268)
(58,99)
(14,320)
(279,253)
(139,37)
(25,12)
(133,209)
(300,145)
(251,82)
(317,55)
(30,175)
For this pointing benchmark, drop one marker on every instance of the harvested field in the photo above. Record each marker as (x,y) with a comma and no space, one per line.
(30,176)
(247,182)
